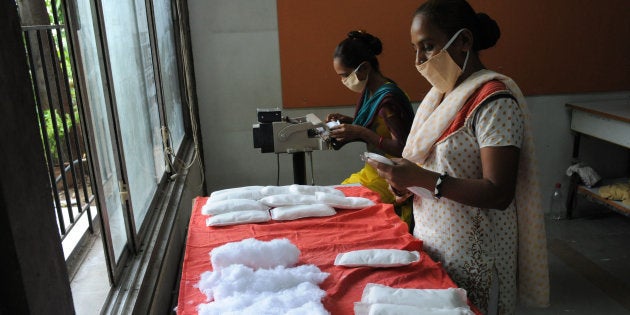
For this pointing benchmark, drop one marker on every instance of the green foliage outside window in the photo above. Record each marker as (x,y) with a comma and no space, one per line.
(50,126)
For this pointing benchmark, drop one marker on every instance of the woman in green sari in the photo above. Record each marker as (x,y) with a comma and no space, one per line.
(383,114)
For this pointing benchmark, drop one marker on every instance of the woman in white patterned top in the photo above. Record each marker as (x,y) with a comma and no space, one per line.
(470,146)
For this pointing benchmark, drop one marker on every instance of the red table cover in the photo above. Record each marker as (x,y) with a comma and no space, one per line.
(319,240)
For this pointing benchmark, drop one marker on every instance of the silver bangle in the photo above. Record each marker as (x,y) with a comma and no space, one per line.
(437,192)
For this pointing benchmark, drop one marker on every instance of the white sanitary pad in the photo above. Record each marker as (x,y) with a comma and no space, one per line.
(311,190)
(252,194)
(425,298)
(236,189)
(281,200)
(274,190)
(343,202)
(231,205)
(238,217)
(255,254)
(394,309)
(299,189)
(301,211)
(377,258)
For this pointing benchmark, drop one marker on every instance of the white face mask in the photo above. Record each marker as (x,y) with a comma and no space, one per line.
(352,81)
(440,70)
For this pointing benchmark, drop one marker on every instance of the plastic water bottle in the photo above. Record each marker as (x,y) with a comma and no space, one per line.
(557,210)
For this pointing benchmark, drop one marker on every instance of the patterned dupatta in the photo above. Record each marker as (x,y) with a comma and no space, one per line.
(370,104)
(430,122)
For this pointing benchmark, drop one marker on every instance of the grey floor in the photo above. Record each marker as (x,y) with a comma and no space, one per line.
(90,284)
(589,261)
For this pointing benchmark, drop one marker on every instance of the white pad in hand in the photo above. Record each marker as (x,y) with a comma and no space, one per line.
(238,217)
(301,211)
(255,254)
(376,157)
(422,192)
(343,202)
(374,293)
(377,258)
(231,205)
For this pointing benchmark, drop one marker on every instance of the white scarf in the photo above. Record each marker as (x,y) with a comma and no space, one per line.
(433,117)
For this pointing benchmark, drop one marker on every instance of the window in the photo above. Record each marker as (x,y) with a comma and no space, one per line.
(120,64)
(133,85)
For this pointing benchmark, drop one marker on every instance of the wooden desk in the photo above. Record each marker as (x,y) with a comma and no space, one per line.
(606,120)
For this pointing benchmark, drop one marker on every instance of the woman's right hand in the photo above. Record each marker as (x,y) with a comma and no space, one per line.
(339,117)
(401,175)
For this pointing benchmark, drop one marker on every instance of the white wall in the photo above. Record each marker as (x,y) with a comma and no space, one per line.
(237,66)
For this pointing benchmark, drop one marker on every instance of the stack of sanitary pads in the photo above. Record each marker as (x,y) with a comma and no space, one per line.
(254,204)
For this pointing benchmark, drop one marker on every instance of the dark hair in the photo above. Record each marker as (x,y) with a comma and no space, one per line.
(453,15)
(358,47)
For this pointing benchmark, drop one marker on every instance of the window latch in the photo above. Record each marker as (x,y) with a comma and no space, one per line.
(124,193)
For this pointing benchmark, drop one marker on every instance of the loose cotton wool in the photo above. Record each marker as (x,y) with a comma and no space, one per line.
(235,280)
(255,254)
(305,298)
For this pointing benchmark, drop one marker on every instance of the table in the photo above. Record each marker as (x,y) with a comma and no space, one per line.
(607,120)
(319,240)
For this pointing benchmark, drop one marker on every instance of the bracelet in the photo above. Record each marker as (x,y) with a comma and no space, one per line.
(380,142)
(437,193)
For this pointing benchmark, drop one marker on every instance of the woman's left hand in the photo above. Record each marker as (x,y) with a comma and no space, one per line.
(347,132)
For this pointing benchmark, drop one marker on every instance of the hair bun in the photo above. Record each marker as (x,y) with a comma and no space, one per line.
(489,31)
(372,43)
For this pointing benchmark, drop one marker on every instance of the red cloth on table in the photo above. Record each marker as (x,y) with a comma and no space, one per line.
(319,240)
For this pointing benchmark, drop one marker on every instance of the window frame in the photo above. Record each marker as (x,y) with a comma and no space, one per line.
(133,247)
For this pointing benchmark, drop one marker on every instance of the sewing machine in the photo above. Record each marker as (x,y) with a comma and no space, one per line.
(274,133)
(278,134)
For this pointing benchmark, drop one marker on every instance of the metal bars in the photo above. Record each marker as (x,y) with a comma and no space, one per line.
(57,99)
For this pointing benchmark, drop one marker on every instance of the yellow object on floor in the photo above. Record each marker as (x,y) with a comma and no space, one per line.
(619,192)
